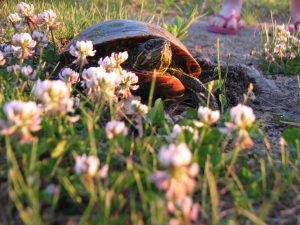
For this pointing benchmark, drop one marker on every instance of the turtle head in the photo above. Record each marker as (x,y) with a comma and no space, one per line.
(153,54)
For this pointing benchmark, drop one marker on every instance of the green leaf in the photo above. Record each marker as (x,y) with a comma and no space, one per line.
(292,136)
(59,149)
(157,113)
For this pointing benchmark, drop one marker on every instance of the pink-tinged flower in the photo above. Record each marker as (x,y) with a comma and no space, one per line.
(40,38)
(23,45)
(174,221)
(14,69)
(115,129)
(114,61)
(68,75)
(207,116)
(23,118)
(242,116)
(128,82)
(55,96)
(14,18)
(48,18)
(2,59)
(88,165)
(174,156)
(81,50)
(103,171)
(25,9)
(176,182)
(26,70)
(184,210)
(177,129)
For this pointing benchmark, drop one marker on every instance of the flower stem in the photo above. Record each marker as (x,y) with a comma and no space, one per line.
(233,160)
(53,39)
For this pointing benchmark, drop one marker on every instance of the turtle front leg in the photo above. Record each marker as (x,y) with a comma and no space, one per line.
(195,88)
(166,85)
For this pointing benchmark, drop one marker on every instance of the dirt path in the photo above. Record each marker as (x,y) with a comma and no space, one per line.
(275,96)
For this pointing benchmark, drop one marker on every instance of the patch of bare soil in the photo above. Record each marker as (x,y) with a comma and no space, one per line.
(274,97)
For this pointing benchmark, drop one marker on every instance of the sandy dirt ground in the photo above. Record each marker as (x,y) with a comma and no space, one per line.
(274,97)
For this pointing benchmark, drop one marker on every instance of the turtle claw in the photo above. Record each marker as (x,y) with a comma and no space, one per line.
(201,97)
(196,89)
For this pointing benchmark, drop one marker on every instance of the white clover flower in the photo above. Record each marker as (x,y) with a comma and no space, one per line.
(129,82)
(111,79)
(177,129)
(207,116)
(100,83)
(14,69)
(22,119)
(110,63)
(242,116)
(81,50)
(2,59)
(40,38)
(87,165)
(68,75)
(55,96)
(25,9)
(89,75)
(48,18)
(23,45)
(174,155)
(14,18)
(26,70)
(139,108)
(115,128)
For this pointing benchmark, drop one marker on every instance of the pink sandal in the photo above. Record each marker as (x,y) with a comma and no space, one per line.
(225,29)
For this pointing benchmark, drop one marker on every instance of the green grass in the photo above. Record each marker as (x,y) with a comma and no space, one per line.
(233,186)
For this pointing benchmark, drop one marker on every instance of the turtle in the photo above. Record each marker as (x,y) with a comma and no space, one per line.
(152,52)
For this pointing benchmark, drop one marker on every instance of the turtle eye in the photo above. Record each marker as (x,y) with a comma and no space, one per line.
(148,46)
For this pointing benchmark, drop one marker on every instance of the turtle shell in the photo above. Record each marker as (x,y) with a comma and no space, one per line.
(119,35)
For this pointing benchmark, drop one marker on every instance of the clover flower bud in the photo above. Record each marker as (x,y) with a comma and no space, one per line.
(174,155)
(128,82)
(115,128)
(207,116)
(2,59)
(25,9)
(242,115)
(87,165)
(55,96)
(26,70)
(139,108)
(14,69)
(23,44)
(68,75)
(48,18)
(14,18)
(23,118)
(40,38)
